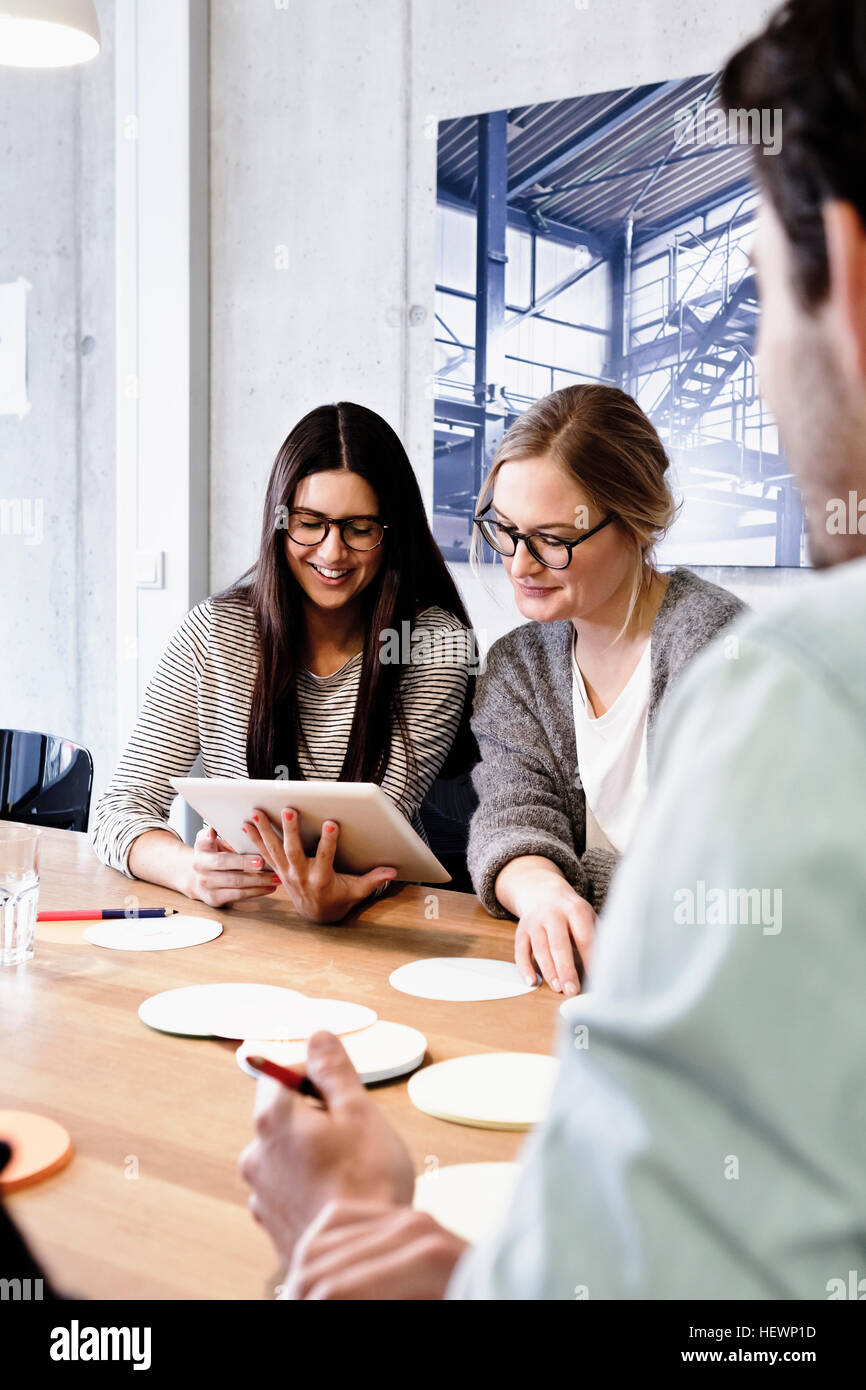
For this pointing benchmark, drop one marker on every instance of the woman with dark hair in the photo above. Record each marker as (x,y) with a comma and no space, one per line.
(342,654)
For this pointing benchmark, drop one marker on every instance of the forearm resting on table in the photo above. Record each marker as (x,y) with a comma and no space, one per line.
(518,884)
(160,856)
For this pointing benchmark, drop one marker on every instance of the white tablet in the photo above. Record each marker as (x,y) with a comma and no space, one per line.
(372,830)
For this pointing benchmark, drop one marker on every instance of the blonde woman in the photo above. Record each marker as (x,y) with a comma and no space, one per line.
(576,499)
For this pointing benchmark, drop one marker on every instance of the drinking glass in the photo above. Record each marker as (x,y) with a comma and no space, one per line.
(19,892)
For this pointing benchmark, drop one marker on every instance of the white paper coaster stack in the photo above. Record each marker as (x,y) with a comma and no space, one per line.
(378,1053)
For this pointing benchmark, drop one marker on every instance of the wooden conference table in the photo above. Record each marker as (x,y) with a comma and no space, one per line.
(152,1204)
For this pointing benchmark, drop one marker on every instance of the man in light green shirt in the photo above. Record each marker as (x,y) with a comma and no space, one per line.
(707,1137)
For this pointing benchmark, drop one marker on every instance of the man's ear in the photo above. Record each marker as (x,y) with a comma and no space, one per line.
(845,236)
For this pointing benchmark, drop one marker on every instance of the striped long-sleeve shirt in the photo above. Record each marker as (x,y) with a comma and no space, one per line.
(198,702)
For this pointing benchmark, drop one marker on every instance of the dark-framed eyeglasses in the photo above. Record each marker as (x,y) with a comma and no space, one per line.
(554,552)
(357,532)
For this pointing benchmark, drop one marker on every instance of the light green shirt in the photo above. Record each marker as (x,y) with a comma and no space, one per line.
(708,1134)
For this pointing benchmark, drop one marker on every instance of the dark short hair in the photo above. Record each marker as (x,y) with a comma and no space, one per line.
(809,63)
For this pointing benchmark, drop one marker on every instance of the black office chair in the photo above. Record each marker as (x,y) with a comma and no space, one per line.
(44,780)
(448,806)
(446,833)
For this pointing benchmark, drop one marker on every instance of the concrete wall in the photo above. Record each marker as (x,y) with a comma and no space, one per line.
(57,231)
(308,225)
(323,179)
(323,123)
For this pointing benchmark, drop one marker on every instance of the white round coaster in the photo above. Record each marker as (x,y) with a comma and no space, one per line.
(198,1010)
(152,933)
(575,1009)
(378,1053)
(290,1023)
(490,1090)
(461,978)
(470,1199)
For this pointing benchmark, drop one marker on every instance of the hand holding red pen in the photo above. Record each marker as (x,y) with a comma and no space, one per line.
(295,1080)
(305,1156)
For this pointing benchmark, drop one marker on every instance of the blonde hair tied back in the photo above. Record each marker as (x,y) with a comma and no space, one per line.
(601,436)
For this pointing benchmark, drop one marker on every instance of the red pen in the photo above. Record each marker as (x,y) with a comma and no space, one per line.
(105,914)
(293,1080)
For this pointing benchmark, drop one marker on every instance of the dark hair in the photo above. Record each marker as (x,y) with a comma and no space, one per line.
(809,63)
(413,576)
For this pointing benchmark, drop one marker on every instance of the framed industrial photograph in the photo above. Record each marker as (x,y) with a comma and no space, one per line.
(606,239)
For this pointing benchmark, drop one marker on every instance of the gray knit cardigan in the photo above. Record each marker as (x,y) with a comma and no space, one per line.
(530,796)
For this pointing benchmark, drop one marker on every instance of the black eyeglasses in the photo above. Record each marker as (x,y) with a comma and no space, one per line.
(551,551)
(357,532)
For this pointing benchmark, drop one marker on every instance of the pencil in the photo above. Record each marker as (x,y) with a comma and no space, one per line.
(293,1080)
(104,914)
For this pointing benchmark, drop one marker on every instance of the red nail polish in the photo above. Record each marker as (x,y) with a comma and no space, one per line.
(255,818)
(289,815)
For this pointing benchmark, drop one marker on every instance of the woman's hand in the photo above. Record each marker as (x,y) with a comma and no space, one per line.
(367,1250)
(558,926)
(217,876)
(553,921)
(316,890)
(305,1156)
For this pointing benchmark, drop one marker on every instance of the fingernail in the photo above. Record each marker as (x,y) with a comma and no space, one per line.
(258,862)
(321,1042)
(330,826)
(570,990)
(255,817)
(554,984)
(529,979)
(289,815)
(276,879)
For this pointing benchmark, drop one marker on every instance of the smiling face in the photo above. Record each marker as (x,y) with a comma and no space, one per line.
(331,574)
(539,495)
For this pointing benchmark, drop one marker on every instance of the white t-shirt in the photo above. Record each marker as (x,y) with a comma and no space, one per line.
(612,756)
